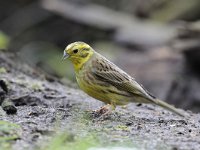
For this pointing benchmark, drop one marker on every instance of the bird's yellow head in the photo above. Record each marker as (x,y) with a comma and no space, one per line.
(78,53)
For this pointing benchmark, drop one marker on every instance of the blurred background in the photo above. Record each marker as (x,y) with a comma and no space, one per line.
(156,41)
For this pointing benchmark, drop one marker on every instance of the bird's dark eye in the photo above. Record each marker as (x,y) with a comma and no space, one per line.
(75,51)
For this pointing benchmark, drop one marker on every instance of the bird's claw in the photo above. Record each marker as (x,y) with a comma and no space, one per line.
(102,110)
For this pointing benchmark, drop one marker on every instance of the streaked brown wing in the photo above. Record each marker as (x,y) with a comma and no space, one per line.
(106,71)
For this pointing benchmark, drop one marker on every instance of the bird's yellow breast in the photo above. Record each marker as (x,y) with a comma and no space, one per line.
(102,93)
(99,89)
(94,91)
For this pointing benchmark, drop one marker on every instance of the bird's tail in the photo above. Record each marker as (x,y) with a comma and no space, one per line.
(169,107)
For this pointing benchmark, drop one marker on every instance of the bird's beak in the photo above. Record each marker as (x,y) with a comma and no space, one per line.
(65,55)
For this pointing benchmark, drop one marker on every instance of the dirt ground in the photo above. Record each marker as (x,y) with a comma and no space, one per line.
(45,105)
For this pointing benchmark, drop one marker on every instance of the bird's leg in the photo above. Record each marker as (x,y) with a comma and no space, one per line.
(111,107)
(106,109)
(103,109)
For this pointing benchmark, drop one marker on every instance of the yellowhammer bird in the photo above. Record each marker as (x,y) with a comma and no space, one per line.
(103,80)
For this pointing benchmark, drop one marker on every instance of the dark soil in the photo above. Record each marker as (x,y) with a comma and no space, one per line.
(44,106)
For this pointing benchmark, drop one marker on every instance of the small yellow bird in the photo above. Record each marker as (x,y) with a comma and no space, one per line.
(103,80)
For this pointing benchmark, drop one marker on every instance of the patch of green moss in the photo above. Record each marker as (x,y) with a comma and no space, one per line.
(4,40)
(122,127)
(37,86)
(63,141)
(2,70)
(8,133)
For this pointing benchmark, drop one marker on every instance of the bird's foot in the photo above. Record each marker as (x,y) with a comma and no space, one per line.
(103,110)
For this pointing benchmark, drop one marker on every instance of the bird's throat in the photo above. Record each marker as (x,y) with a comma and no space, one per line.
(79,63)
